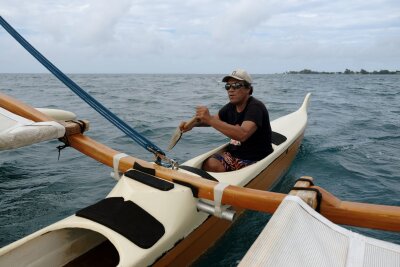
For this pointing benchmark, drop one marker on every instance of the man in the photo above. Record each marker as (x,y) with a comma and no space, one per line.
(244,119)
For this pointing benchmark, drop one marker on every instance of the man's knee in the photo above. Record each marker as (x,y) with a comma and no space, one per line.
(213,165)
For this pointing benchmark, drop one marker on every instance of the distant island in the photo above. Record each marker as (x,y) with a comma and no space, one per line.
(347,71)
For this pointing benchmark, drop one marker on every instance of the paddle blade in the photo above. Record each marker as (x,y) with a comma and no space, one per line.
(178,133)
(175,138)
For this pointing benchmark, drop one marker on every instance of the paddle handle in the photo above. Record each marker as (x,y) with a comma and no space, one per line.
(192,122)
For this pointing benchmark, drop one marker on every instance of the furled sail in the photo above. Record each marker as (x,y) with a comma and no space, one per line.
(297,235)
(17,131)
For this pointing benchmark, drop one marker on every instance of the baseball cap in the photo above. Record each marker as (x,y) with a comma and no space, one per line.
(240,75)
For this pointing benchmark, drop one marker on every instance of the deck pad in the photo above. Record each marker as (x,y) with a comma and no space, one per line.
(278,138)
(149,180)
(127,219)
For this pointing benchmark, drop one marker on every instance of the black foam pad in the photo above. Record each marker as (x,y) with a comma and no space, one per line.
(127,219)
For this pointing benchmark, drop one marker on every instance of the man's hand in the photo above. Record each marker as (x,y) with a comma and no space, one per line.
(203,114)
(184,127)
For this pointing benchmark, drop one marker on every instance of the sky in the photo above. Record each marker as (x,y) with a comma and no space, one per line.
(202,36)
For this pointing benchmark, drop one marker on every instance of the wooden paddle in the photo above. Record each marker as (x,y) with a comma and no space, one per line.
(178,133)
(338,211)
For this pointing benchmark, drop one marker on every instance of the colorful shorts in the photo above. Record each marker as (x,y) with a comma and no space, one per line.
(231,163)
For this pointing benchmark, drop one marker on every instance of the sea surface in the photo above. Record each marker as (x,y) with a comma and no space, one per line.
(351,146)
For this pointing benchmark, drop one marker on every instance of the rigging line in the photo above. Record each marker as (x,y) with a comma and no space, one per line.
(111,117)
(82,94)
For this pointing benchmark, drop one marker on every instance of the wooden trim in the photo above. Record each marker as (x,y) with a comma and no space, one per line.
(22,109)
(359,214)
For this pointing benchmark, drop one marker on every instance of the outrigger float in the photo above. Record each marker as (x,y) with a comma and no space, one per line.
(169,216)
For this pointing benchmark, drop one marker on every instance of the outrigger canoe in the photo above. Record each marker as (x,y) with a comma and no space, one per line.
(160,216)
(146,220)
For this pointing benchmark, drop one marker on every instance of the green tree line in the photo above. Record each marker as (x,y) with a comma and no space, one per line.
(347,71)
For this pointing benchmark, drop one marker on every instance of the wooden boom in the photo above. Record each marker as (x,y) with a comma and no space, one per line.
(359,214)
(341,212)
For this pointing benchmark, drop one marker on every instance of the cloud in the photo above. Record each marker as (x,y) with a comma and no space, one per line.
(242,17)
(89,23)
(100,19)
(203,36)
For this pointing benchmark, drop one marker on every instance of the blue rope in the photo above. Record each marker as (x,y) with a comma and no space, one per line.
(138,138)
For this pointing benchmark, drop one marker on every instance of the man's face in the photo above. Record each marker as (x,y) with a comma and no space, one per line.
(236,90)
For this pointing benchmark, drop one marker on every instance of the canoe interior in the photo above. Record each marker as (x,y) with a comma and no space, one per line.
(103,255)
(64,247)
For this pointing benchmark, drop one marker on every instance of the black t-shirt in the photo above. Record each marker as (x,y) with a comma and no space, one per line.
(258,145)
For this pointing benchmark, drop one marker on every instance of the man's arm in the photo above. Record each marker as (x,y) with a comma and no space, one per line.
(186,126)
(237,132)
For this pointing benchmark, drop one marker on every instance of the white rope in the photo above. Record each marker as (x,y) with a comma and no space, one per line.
(116,174)
(218,192)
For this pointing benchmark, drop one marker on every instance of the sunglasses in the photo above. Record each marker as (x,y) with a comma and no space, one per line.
(234,86)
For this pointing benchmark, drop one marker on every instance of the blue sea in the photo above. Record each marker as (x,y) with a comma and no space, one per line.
(351,146)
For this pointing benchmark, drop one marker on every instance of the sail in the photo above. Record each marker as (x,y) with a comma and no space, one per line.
(297,235)
(17,131)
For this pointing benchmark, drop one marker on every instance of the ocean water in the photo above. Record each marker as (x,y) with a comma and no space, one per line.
(351,145)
